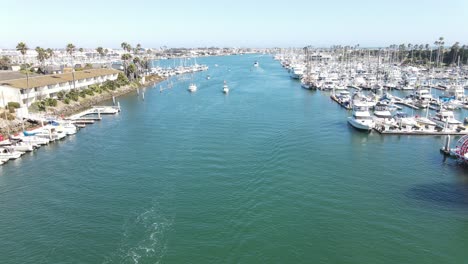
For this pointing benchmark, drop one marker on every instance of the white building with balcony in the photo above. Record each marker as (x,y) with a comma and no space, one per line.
(29,90)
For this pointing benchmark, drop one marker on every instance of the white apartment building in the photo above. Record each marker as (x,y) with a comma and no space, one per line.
(29,90)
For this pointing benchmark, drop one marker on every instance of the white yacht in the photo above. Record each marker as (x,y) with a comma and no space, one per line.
(296,72)
(192,88)
(446,120)
(256,64)
(361,118)
(225,88)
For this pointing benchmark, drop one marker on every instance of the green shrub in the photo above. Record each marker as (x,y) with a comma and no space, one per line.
(14,105)
(66,101)
(50,102)
(122,80)
(61,95)
(89,92)
(11,109)
(83,94)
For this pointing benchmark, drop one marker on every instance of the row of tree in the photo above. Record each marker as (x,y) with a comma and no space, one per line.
(134,61)
(436,55)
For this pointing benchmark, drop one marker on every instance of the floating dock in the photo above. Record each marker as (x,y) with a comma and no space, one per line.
(421,132)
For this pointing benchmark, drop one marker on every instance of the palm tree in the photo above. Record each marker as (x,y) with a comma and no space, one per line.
(138,48)
(440,43)
(100,51)
(125,46)
(22,48)
(50,53)
(70,50)
(41,57)
(126,57)
(132,70)
(455,49)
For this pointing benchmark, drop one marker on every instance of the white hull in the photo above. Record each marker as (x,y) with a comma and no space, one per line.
(361,125)
(192,88)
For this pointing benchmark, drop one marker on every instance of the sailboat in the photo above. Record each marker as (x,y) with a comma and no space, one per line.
(225,88)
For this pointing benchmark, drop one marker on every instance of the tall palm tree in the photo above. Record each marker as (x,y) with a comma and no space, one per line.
(440,44)
(50,53)
(41,57)
(125,46)
(70,50)
(126,57)
(22,48)
(455,49)
(100,51)
(138,48)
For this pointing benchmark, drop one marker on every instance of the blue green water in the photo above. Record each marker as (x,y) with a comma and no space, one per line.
(270,173)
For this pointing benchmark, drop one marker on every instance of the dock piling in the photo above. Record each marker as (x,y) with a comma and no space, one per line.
(447,144)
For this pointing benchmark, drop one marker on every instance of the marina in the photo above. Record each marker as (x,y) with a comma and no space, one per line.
(250,132)
(171,142)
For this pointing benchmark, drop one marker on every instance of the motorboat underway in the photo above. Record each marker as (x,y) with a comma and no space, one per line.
(192,88)
(256,64)
(225,88)
(361,118)
(208,77)
(446,120)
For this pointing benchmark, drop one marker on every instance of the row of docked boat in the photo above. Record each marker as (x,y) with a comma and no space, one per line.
(52,129)
(377,108)
(387,119)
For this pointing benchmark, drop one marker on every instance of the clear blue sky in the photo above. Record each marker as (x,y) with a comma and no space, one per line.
(241,23)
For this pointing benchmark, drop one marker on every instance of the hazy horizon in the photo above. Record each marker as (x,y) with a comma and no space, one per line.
(259,24)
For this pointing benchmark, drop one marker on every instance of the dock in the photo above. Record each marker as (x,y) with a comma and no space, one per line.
(420,132)
(336,99)
(407,104)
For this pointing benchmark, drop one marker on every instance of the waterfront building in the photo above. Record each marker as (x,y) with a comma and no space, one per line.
(29,90)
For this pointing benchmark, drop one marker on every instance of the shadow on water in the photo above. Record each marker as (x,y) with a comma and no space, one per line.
(453,194)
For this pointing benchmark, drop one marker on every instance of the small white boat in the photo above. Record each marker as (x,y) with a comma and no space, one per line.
(402,119)
(8,154)
(361,118)
(382,111)
(256,64)
(192,88)
(208,77)
(22,147)
(225,88)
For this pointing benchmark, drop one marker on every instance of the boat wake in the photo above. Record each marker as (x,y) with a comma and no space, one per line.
(144,238)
